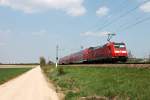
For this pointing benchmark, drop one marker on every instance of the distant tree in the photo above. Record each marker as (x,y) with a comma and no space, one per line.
(42,61)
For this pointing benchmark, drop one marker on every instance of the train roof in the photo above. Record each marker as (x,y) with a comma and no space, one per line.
(109,43)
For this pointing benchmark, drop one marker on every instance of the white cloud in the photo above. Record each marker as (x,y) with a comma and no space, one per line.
(145,7)
(71,7)
(99,34)
(5,31)
(102,11)
(39,33)
(2,44)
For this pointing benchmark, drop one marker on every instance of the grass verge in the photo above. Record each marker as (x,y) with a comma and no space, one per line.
(112,83)
(9,73)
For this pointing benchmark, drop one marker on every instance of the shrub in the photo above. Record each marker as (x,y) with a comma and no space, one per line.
(50,62)
(61,71)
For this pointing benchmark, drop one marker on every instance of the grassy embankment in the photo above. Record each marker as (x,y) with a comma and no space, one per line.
(113,83)
(9,73)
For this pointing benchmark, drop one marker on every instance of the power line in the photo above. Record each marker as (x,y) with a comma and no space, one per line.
(136,23)
(123,2)
(121,26)
(123,15)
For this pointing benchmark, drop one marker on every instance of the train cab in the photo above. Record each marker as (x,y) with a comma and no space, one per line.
(119,51)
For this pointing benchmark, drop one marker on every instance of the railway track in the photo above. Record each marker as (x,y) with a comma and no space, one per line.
(137,65)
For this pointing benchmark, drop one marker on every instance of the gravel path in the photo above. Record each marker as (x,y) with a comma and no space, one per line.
(30,86)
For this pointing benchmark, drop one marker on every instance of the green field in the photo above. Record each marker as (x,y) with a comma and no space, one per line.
(9,73)
(120,83)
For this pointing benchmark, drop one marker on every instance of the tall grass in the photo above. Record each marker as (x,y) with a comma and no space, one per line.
(121,83)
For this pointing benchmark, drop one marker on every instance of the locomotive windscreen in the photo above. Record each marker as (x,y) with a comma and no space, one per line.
(119,45)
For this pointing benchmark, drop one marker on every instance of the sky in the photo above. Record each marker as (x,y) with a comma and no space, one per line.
(30,29)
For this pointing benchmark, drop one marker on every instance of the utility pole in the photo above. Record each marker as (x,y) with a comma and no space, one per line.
(57,47)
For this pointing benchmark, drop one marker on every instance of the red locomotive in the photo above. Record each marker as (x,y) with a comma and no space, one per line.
(110,52)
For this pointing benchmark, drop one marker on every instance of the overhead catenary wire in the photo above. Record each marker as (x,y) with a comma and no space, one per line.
(123,2)
(122,26)
(122,15)
(136,23)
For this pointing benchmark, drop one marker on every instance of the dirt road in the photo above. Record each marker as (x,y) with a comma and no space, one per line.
(29,86)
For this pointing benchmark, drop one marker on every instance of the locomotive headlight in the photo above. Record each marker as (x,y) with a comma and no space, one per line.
(124,51)
(117,51)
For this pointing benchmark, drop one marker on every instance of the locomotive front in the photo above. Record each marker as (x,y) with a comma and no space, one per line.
(120,52)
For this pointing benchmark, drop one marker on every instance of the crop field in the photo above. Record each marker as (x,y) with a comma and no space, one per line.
(17,66)
(9,73)
(114,83)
